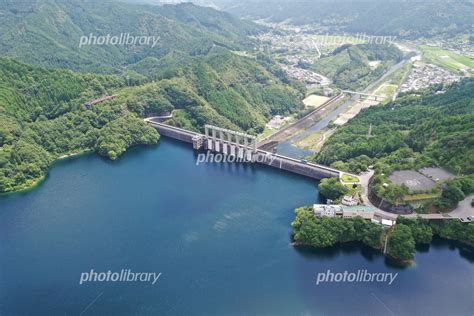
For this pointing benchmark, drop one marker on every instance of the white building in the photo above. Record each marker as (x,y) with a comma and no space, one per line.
(349,201)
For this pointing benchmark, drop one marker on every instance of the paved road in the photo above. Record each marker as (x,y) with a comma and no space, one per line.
(464,208)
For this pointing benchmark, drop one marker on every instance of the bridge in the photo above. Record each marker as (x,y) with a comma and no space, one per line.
(243,146)
(361,94)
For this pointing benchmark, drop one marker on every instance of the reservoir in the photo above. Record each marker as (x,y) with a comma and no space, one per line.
(219,234)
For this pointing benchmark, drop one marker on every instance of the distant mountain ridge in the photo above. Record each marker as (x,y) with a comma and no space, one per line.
(404,18)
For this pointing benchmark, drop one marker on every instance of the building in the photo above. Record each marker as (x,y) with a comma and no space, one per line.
(348,200)
(388,222)
(366,212)
(321,210)
(343,211)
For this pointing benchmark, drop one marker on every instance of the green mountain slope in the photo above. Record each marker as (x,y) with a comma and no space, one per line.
(416,130)
(195,52)
(48,32)
(42,117)
(349,65)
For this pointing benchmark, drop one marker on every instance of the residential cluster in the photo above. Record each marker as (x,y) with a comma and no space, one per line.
(455,46)
(296,49)
(425,75)
(309,77)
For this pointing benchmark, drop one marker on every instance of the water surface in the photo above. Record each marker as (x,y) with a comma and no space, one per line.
(220,234)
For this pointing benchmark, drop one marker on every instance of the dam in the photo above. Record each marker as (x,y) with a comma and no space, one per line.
(242,146)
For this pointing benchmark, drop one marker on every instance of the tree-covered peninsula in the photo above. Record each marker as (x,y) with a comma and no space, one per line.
(320,232)
(43,117)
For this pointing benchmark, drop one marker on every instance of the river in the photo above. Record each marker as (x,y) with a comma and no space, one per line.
(218,233)
(287,148)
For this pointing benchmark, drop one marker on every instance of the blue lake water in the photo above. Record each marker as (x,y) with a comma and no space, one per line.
(218,233)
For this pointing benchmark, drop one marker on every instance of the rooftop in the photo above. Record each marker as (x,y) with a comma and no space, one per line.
(358,208)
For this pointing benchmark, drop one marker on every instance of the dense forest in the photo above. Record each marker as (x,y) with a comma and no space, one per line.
(43,117)
(349,65)
(439,126)
(196,60)
(48,32)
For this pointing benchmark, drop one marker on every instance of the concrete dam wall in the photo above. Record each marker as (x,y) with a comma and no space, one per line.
(203,142)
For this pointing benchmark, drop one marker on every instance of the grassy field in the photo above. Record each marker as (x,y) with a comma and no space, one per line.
(314,100)
(447,59)
(352,189)
(315,141)
(421,197)
(348,178)
(386,89)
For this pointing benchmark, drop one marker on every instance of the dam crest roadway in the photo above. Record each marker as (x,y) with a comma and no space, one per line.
(242,146)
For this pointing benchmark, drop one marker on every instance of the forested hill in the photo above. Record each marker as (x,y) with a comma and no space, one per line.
(419,129)
(48,32)
(349,65)
(404,18)
(42,117)
(43,112)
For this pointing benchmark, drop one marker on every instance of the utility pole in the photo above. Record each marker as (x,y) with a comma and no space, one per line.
(385,246)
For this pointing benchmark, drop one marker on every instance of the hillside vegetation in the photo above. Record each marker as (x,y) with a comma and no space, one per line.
(438,126)
(48,32)
(194,56)
(42,117)
(349,65)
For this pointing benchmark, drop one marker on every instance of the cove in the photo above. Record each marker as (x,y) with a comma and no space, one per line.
(218,233)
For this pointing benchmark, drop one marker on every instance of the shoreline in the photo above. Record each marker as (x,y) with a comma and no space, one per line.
(33,184)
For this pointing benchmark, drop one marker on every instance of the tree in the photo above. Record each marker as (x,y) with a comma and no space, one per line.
(401,244)
(420,228)
(332,188)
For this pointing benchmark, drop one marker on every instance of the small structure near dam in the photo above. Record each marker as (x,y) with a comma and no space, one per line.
(243,147)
